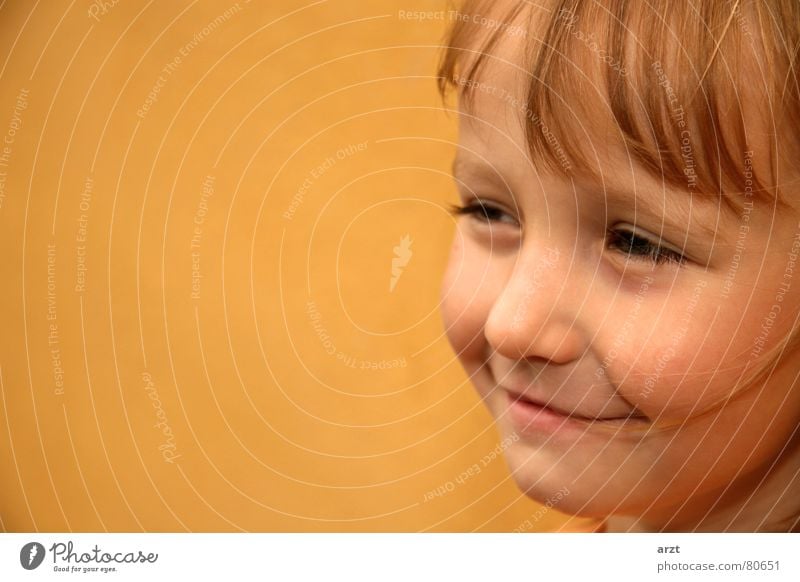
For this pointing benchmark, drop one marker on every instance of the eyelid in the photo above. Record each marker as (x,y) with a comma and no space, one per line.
(478,205)
(651,238)
(647,250)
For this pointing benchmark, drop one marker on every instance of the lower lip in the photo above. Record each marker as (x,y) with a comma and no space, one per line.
(528,417)
(535,419)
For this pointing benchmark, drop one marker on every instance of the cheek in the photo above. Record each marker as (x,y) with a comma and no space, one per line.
(690,360)
(457,307)
(467,298)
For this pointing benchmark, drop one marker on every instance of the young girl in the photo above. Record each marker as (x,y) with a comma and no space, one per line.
(624,285)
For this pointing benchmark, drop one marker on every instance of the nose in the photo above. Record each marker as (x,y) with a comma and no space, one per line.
(536,313)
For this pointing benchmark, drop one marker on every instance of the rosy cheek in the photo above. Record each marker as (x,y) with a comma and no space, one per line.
(469,290)
(451,295)
(458,309)
(678,374)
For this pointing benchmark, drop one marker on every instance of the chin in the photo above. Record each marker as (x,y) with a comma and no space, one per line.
(553,484)
(561,497)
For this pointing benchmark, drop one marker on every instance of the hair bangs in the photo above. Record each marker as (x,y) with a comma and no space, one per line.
(695,94)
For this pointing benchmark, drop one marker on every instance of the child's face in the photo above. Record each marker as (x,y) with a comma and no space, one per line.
(540,300)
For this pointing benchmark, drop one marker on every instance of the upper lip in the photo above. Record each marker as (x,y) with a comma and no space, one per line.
(570,413)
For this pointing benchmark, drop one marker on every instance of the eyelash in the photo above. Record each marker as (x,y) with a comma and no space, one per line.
(478,210)
(641,248)
(629,243)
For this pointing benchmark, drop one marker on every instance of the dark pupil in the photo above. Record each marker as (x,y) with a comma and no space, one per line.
(635,245)
(491,213)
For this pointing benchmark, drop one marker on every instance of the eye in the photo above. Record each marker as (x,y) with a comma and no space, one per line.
(483,212)
(640,248)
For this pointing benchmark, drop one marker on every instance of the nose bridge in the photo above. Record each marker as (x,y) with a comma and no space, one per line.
(543,274)
(535,313)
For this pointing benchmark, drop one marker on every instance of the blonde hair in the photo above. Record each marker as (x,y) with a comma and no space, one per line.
(692,54)
(671,75)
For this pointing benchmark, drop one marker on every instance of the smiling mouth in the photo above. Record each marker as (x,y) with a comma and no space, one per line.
(518,399)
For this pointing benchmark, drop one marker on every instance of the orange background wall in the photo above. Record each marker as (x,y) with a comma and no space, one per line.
(200,202)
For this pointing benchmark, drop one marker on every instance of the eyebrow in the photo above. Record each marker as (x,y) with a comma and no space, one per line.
(461,166)
(666,211)
(462,169)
